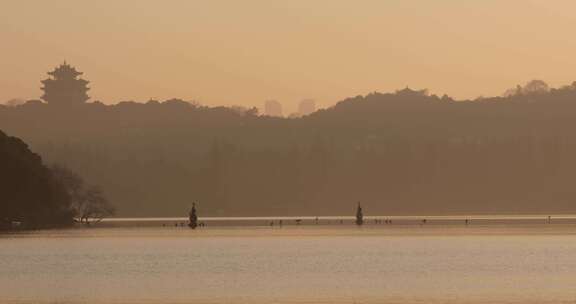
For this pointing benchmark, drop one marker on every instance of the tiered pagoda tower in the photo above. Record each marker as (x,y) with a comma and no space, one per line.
(64,87)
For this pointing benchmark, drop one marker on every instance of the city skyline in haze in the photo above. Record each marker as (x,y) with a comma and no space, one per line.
(228,53)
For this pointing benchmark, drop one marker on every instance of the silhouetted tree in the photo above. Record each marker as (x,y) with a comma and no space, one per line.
(88,202)
(531,87)
(535,87)
(93,206)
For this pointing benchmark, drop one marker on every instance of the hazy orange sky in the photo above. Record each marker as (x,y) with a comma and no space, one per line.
(244,52)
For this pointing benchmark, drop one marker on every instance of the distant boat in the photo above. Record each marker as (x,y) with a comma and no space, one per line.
(193,217)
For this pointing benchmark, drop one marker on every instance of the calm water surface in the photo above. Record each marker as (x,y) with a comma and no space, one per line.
(291,265)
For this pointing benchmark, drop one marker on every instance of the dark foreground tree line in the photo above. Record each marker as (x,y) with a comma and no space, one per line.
(34,196)
(399,153)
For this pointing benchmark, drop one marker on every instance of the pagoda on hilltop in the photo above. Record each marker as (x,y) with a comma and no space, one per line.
(64,87)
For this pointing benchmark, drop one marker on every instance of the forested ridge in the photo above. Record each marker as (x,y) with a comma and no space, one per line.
(406,152)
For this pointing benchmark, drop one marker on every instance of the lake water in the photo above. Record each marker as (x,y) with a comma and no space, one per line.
(293,264)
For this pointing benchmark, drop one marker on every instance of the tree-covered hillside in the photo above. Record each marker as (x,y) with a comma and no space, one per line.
(29,193)
(406,152)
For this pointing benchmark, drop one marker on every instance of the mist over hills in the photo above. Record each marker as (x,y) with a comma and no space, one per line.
(406,152)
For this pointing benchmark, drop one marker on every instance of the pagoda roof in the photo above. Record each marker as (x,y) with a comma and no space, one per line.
(65,69)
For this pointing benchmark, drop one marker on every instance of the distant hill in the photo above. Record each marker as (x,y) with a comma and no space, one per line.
(406,152)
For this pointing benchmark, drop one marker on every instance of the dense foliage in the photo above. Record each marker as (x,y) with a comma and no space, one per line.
(29,193)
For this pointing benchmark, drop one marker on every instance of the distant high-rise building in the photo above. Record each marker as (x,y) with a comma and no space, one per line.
(307,107)
(64,87)
(273,108)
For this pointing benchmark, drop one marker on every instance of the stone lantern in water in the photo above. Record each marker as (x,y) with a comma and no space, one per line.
(193,217)
(359,215)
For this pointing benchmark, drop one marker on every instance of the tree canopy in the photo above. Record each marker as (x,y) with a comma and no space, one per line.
(29,193)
